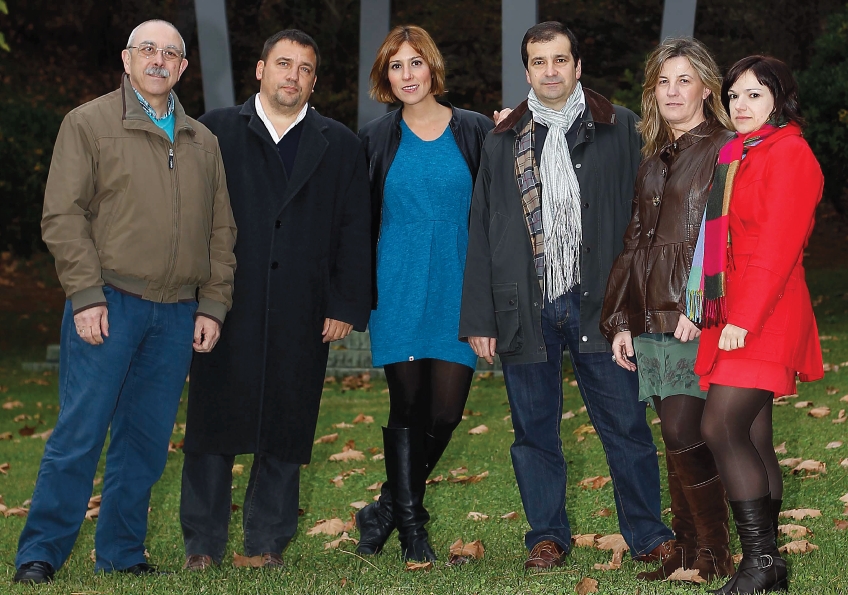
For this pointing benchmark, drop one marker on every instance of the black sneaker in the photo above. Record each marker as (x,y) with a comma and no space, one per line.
(142,569)
(34,573)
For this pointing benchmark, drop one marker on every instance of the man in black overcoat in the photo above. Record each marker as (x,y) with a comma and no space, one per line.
(299,190)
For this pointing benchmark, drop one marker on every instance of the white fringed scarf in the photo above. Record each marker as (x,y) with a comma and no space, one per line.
(561,217)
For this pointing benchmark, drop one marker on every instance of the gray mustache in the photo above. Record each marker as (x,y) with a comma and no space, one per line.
(157,71)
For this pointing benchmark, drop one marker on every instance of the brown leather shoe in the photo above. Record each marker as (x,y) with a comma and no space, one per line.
(659,553)
(545,555)
(198,562)
(272,560)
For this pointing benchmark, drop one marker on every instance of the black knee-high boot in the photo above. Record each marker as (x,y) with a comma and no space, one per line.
(406,470)
(762,570)
(375,521)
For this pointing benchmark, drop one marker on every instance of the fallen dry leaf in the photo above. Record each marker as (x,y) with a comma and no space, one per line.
(686,576)
(614,542)
(656,421)
(342,425)
(819,412)
(803,404)
(16,404)
(433,480)
(793,462)
(22,417)
(363,419)
(834,444)
(840,524)
(607,566)
(473,550)
(240,561)
(780,449)
(43,435)
(810,466)
(338,480)
(584,429)
(375,486)
(586,585)
(173,446)
(348,455)
(459,471)
(327,527)
(327,439)
(584,540)
(581,438)
(16,511)
(417,566)
(238,469)
(794,531)
(332,545)
(38,381)
(330,380)
(507,418)
(464,479)
(510,515)
(92,513)
(595,482)
(378,457)
(481,429)
(95,501)
(844,498)
(568,415)
(841,418)
(471,413)
(604,512)
(831,390)
(26,430)
(358,505)
(844,463)
(357,382)
(798,547)
(6,436)
(800,513)
(477,516)
(4,468)
(572,383)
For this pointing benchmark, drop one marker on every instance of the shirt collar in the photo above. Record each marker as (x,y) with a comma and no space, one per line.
(273,131)
(150,111)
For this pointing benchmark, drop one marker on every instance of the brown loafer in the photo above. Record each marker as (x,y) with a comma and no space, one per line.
(272,560)
(659,553)
(198,562)
(545,555)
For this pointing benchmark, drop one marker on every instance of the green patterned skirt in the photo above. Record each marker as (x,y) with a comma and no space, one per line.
(666,367)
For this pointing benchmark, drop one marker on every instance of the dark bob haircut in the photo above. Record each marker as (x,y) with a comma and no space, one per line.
(775,75)
(294,35)
(545,32)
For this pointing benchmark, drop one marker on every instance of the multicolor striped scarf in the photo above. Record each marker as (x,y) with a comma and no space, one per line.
(707,287)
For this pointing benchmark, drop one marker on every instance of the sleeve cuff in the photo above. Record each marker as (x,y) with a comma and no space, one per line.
(212,309)
(88,298)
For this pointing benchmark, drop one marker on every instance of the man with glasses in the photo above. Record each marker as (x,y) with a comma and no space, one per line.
(138,218)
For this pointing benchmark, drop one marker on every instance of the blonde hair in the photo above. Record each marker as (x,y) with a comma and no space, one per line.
(421,42)
(655,131)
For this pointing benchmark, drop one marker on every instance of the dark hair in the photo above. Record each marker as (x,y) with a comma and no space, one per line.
(295,35)
(775,75)
(544,32)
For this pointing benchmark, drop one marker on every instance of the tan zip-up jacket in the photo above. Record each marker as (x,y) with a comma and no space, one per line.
(125,206)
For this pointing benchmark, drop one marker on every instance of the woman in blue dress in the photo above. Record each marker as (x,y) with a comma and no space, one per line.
(423,159)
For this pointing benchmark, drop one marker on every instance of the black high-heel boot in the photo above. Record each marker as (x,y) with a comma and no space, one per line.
(406,470)
(762,570)
(375,521)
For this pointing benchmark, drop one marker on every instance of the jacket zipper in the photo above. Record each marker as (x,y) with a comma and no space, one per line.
(175,212)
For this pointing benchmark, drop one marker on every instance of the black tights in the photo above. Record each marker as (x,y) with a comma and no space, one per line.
(737,428)
(681,420)
(428,394)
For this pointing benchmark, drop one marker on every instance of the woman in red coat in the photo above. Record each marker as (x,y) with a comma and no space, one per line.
(760,331)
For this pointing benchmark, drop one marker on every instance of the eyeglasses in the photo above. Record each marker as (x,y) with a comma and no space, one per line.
(149,50)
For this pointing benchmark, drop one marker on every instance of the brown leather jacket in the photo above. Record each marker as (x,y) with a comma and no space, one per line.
(646,290)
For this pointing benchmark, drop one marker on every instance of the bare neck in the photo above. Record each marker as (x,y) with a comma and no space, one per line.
(281,117)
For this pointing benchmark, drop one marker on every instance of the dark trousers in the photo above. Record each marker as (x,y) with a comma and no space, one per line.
(269,516)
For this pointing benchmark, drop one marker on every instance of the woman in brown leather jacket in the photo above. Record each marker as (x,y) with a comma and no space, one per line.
(645,309)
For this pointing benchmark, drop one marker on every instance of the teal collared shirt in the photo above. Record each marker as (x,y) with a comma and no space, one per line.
(166,122)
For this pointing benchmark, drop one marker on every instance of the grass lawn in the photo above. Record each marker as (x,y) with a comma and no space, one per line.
(313,569)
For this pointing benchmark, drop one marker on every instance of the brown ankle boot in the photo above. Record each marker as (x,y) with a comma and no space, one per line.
(682,554)
(708,503)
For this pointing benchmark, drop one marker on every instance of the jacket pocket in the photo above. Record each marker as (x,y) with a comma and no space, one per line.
(507,317)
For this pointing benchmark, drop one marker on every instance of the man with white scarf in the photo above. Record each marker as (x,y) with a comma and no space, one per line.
(549,210)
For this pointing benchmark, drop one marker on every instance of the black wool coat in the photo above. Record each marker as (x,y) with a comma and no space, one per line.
(303,255)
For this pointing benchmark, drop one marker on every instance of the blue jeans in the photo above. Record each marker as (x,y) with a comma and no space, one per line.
(611,395)
(132,382)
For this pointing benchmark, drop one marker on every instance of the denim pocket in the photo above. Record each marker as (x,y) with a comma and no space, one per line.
(507,317)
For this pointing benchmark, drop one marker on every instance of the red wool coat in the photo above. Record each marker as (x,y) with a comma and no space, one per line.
(775,193)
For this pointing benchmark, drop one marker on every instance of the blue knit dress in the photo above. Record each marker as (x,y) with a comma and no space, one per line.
(421,253)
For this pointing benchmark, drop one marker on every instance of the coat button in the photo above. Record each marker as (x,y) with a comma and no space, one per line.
(656,201)
(662,173)
(541,347)
(585,294)
(584,338)
(511,302)
(588,249)
(651,233)
(535,304)
(590,125)
(585,205)
(278,224)
(274,265)
(577,166)
(411,358)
